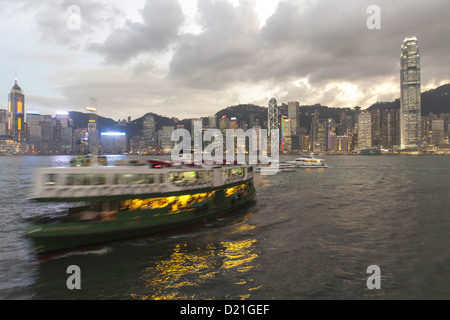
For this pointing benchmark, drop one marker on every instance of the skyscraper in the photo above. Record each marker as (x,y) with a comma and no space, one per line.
(149,131)
(410,102)
(16,113)
(364,130)
(286,134)
(294,115)
(272,124)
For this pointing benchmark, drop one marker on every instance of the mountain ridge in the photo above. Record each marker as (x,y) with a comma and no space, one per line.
(434,101)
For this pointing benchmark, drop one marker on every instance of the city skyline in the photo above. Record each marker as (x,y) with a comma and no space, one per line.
(213,54)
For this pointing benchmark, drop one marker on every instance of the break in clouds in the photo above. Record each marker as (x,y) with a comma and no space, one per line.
(159,57)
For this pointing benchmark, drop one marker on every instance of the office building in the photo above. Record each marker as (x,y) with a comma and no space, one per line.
(410,100)
(294,115)
(364,130)
(437,128)
(16,113)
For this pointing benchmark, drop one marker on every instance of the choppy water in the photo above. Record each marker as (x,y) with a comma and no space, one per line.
(309,234)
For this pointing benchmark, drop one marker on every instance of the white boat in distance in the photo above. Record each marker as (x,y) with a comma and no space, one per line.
(308,161)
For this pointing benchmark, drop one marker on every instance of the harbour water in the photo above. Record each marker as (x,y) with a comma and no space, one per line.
(308,234)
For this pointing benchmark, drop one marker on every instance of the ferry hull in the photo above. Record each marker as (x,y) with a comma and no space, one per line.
(58,238)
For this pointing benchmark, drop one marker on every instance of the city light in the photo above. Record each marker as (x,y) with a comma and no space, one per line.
(113,133)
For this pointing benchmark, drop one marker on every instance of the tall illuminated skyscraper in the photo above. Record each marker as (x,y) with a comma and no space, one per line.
(16,113)
(364,130)
(410,102)
(294,115)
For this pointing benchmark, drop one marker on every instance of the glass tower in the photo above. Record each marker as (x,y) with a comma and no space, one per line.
(410,103)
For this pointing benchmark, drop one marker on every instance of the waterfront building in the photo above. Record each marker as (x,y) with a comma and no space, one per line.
(294,115)
(286,135)
(16,113)
(212,121)
(320,144)
(113,142)
(62,133)
(93,137)
(331,127)
(410,99)
(3,122)
(376,127)
(166,139)
(315,146)
(437,128)
(390,129)
(364,130)
(149,132)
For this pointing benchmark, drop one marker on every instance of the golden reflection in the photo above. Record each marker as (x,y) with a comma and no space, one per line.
(240,189)
(190,266)
(173,203)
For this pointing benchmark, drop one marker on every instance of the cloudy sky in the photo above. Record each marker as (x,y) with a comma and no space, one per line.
(191,58)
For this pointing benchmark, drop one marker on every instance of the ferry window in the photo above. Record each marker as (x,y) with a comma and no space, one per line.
(50,180)
(70,180)
(116,179)
(74,180)
(250,169)
(99,179)
(150,178)
(86,178)
(133,178)
(233,172)
(206,175)
(161,178)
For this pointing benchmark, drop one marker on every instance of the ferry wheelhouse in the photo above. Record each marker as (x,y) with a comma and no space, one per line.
(135,199)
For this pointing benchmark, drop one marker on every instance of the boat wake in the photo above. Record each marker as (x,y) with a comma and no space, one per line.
(99,252)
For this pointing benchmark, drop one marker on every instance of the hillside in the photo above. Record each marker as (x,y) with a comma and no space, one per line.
(435,101)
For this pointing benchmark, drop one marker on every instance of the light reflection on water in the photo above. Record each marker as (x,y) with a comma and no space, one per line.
(190,266)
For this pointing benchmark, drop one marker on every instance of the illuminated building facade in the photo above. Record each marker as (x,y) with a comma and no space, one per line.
(364,130)
(93,137)
(113,142)
(437,128)
(331,135)
(286,135)
(149,132)
(166,139)
(390,129)
(410,100)
(16,114)
(294,115)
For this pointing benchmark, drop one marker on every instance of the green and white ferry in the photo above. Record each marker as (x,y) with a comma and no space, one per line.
(134,199)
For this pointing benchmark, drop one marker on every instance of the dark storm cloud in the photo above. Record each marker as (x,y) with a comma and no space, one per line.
(323,40)
(314,51)
(161,22)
